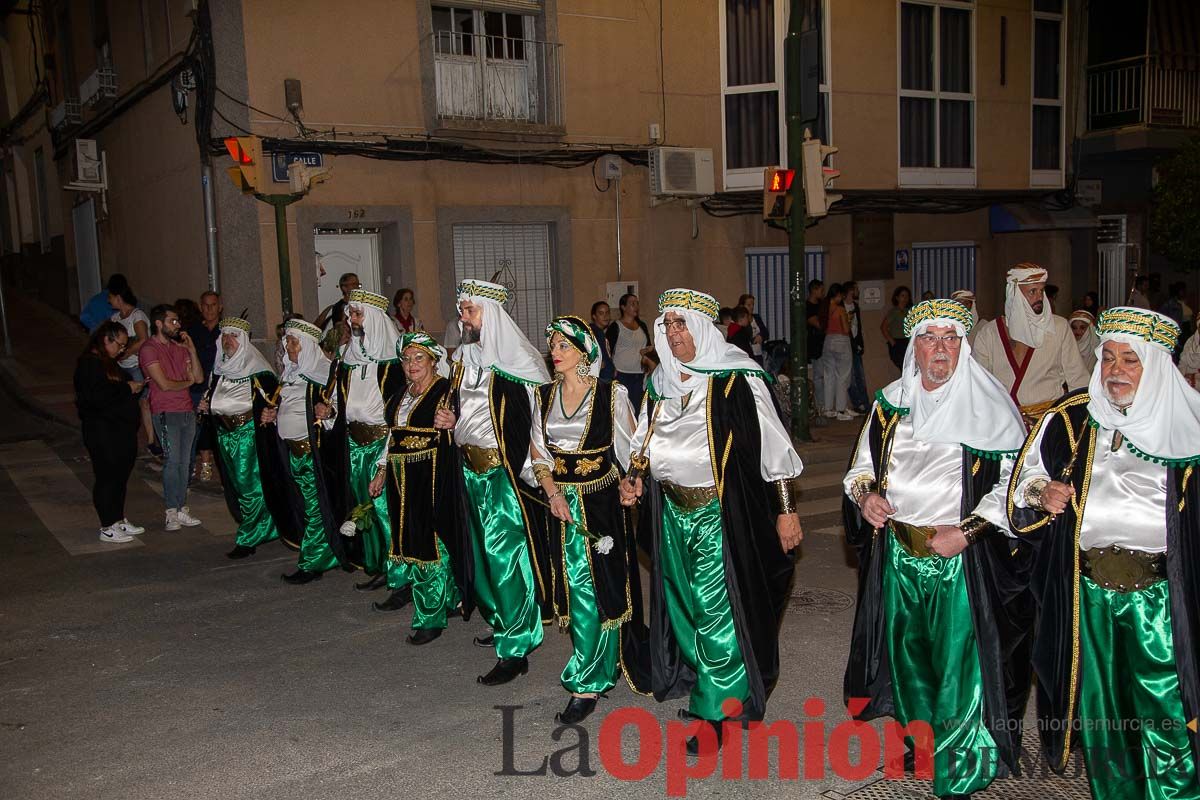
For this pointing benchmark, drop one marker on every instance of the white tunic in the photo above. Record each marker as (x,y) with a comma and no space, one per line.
(924,480)
(231,398)
(292,422)
(1126,502)
(1056,362)
(474,425)
(679,451)
(364,399)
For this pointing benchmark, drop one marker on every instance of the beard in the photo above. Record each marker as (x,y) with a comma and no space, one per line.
(357,331)
(1038,306)
(938,371)
(174,335)
(1120,393)
(470,335)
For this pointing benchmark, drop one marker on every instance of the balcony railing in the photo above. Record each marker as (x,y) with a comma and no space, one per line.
(497,79)
(1145,90)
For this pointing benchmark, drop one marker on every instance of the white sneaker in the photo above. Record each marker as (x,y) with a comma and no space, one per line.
(830,414)
(172,519)
(128,527)
(114,534)
(185,518)
(842,416)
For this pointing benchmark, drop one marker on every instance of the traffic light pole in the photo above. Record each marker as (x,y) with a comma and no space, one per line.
(796,226)
(281,202)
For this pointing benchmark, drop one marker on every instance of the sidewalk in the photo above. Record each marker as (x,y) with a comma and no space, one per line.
(45,344)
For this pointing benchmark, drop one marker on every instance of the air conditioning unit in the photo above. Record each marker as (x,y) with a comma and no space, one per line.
(68,112)
(681,172)
(87,161)
(89,90)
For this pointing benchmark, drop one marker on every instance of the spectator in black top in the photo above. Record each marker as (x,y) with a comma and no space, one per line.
(859,401)
(758,328)
(741,330)
(206,335)
(336,313)
(601,319)
(109,416)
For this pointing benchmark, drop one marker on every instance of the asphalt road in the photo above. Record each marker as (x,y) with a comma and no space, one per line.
(162,670)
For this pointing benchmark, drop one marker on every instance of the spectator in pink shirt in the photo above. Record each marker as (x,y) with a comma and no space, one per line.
(169,361)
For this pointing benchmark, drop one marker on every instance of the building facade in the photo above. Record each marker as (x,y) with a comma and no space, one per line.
(465,140)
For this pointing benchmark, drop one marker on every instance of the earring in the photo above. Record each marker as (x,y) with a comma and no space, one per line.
(583,368)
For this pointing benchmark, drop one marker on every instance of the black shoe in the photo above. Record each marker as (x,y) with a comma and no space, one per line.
(301,576)
(421,636)
(377,582)
(693,744)
(399,599)
(486,641)
(577,710)
(505,670)
(955,797)
(240,551)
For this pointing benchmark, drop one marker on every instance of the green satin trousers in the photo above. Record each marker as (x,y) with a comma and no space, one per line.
(505,587)
(239,460)
(315,553)
(693,568)
(377,542)
(595,651)
(434,591)
(935,665)
(1132,724)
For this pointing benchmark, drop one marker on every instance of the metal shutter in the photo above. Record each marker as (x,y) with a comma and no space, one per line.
(943,268)
(517,256)
(767,279)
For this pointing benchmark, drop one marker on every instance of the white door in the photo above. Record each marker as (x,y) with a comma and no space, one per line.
(339,253)
(517,256)
(87,250)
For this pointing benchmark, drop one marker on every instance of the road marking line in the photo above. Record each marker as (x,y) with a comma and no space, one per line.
(60,501)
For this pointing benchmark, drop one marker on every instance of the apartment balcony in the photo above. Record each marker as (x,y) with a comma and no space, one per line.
(1151,91)
(497,83)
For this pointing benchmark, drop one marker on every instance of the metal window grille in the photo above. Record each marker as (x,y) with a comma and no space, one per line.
(518,256)
(767,280)
(943,268)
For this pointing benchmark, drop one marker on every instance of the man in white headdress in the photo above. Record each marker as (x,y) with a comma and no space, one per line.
(943,619)
(723,508)
(1030,349)
(1106,489)
(1189,359)
(370,381)
(240,389)
(1083,328)
(496,374)
(303,414)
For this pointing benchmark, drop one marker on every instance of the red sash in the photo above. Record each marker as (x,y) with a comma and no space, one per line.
(1018,369)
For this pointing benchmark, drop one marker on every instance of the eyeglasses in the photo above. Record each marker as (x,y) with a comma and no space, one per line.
(950,341)
(672,325)
(418,358)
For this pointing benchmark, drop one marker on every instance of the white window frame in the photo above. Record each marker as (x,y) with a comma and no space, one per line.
(1052,178)
(930,177)
(752,177)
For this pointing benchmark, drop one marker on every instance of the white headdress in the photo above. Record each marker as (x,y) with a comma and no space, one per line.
(713,354)
(247,360)
(380,336)
(972,408)
(429,345)
(1023,323)
(502,346)
(1163,422)
(1090,340)
(312,364)
(966,294)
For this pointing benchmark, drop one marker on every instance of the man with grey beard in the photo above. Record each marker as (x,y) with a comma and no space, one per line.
(1105,489)
(941,632)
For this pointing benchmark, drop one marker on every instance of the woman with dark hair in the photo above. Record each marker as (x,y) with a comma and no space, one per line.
(137,328)
(629,341)
(893,325)
(402,312)
(108,413)
(1091,304)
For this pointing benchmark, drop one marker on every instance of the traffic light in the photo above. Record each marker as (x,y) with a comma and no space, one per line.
(777,198)
(248,170)
(817,178)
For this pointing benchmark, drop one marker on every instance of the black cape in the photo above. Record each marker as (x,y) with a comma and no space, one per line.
(1002,607)
(430,507)
(1055,578)
(616,578)
(263,387)
(758,573)
(335,448)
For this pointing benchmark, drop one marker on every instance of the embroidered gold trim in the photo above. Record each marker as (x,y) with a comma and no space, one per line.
(586,466)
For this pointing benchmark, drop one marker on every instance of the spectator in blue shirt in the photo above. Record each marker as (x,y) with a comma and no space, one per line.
(98,309)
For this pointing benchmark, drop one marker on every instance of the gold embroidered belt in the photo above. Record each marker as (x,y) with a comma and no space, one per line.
(481,459)
(409,441)
(913,538)
(364,433)
(1121,569)
(299,447)
(580,466)
(231,422)
(1034,412)
(689,498)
